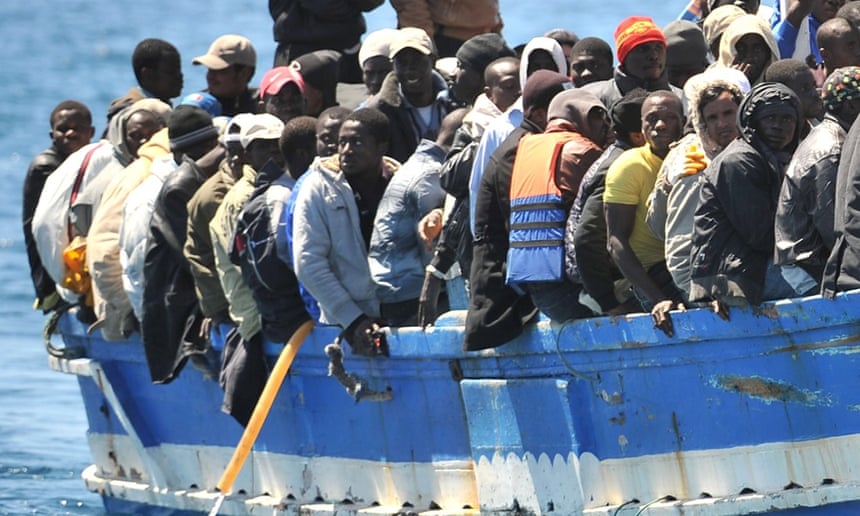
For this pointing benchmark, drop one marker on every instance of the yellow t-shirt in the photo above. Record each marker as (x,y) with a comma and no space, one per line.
(630,180)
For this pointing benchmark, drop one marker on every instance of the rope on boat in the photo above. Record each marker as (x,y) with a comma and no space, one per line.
(51,329)
(354,385)
(573,372)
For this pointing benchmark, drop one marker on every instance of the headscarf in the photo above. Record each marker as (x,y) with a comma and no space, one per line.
(765,99)
(116,127)
(841,85)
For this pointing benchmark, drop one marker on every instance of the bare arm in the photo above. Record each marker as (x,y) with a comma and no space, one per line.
(620,219)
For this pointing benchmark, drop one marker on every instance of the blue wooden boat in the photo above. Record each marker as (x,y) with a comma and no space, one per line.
(606,416)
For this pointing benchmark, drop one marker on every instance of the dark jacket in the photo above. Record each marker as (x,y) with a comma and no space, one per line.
(255,251)
(332,24)
(733,240)
(587,259)
(169,298)
(497,312)
(842,271)
(804,217)
(406,129)
(620,84)
(455,241)
(247,102)
(37,173)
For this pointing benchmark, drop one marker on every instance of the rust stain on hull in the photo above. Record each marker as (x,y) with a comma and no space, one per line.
(767,390)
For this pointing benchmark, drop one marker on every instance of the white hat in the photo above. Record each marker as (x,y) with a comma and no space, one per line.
(261,127)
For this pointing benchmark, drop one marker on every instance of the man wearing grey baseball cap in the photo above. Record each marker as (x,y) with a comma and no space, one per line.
(231,62)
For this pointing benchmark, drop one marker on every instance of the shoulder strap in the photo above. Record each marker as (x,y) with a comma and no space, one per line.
(77,184)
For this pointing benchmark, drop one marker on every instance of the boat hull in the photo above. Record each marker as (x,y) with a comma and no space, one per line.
(602,416)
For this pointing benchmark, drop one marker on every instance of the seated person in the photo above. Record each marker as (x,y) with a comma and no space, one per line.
(637,253)
(797,76)
(333,223)
(748,45)
(548,169)
(714,102)
(373,57)
(397,256)
(590,61)
(804,216)
(169,301)
(71,128)
(733,240)
(587,259)
(257,241)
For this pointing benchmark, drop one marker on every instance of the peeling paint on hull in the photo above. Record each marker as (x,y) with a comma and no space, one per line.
(594,417)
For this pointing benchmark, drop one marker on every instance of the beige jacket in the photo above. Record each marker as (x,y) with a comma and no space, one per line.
(243,309)
(111,302)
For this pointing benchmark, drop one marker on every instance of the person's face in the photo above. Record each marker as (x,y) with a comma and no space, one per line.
(414,72)
(720,117)
(228,82)
(139,128)
(598,126)
(540,59)
(374,71)
(261,151)
(806,89)
(286,104)
(166,80)
(845,51)
(360,153)
(468,83)
(662,123)
(70,131)
(752,56)
(776,131)
(586,68)
(503,88)
(327,137)
(678,75)
(646,61)
(824,10)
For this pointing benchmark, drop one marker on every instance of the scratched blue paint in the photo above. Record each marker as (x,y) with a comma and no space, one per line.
(614,388)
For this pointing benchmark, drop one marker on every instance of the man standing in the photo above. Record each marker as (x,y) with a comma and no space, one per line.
(333,222)
(410,97)
(158,71)
(231,62)
(449,23)
(641,49)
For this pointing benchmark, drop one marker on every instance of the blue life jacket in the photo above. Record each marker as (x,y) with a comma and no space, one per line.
(538,216)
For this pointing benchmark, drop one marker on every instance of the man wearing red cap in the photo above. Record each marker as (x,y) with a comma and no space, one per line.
(282,93)
(641,49)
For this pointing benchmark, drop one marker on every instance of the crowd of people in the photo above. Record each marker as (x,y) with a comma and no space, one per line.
(707,163)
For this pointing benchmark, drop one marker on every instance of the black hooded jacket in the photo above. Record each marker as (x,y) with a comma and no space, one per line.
(733,236)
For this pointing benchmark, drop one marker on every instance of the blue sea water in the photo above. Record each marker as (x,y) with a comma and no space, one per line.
(81,49)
